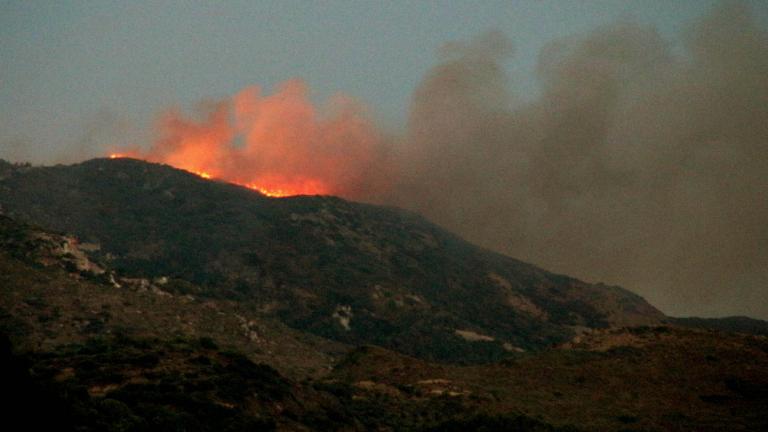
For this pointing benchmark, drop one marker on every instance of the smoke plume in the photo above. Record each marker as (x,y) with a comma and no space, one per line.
(635,166)
(279,143)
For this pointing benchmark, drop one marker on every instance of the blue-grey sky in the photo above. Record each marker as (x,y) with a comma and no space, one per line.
(77,74)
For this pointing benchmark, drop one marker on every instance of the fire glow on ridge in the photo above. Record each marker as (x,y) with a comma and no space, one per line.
(279,144)
(274,192)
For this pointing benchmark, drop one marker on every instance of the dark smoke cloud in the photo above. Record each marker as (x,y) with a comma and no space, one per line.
(637,165)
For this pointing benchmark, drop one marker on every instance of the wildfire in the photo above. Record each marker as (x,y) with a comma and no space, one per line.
(279,145)
(274,193)
(280,189)
(271,188)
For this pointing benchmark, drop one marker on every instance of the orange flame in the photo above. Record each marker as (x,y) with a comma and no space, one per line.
(279,144)
(283,189)
(274,193)
(308,188)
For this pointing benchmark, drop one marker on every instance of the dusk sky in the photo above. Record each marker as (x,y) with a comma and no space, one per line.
(79,76)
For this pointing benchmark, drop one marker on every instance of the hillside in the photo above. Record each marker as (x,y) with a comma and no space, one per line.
(98,350)
(50,298)
(350,272)
(641,379)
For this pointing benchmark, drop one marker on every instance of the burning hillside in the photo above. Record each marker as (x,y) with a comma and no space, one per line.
(274,187)
(278,144)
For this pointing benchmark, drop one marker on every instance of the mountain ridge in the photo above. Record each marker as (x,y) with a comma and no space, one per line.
(356,273)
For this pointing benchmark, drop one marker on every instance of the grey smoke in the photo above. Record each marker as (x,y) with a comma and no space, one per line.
(636,166)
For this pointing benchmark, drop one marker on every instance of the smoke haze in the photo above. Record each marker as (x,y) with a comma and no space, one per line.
(635,166)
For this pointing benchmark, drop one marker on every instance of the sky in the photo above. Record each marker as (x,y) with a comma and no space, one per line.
(79,75)
(622,141)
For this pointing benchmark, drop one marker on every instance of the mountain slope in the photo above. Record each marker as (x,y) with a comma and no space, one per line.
(50,297)
(352,272)
(99,350)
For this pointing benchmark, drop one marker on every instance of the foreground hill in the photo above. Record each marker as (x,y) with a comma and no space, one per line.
(661,378)
(51,295)
(351,272)
(96,351)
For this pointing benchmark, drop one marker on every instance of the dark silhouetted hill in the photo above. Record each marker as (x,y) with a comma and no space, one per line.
(351,272)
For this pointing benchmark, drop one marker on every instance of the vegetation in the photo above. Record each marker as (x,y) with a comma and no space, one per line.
(395,325)
(407,284)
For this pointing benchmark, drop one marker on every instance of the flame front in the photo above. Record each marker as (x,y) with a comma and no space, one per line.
(273,188)
(275,193)
(283,189)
